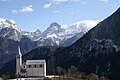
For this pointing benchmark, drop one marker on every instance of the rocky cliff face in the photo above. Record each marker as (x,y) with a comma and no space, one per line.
(7,51)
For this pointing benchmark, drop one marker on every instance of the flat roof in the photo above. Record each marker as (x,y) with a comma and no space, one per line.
(35,62)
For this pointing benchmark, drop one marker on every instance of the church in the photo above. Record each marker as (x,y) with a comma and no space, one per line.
(31,68)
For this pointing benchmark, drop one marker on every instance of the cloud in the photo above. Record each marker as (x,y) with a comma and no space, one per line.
(25,9)
(57,2)
(105,0)
(47,5)
(14,11)
(61,1)
(5,0)
(57,11)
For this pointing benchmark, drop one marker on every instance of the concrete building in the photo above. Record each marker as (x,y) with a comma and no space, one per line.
(31,68)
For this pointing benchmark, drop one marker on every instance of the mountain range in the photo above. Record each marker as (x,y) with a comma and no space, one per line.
(12,36)
(55,33)
(97,51)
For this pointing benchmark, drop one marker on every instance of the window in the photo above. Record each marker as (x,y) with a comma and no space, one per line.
(29,66)
(41,65)
(35,66)
(23,66)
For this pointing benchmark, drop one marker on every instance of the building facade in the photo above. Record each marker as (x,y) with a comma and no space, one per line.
(31,68)
(35,68)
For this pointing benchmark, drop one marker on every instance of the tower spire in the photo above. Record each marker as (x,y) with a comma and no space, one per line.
(20,54)
(19,51)
(18,62)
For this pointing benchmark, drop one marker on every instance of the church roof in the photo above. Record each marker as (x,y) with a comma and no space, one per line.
(35,62)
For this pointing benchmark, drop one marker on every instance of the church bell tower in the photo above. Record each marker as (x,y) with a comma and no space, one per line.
(18,62)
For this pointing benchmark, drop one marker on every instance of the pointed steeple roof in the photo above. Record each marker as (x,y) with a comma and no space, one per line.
(19,51)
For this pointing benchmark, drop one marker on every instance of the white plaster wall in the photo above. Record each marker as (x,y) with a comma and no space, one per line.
(29,72)
(45,69)
(18,66)
(41,72)
(35,72)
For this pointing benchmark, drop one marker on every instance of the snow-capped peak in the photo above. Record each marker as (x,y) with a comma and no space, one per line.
(83,25)
(54,32)
(55,26)
(2,19)
(8,23)
(12,21)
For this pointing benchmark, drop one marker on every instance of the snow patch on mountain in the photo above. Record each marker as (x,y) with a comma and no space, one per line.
(33,35)
(78,29)
(83,25)
(55,33)
(4,23)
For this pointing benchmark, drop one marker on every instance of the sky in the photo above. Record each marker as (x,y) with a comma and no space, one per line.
(30,15)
